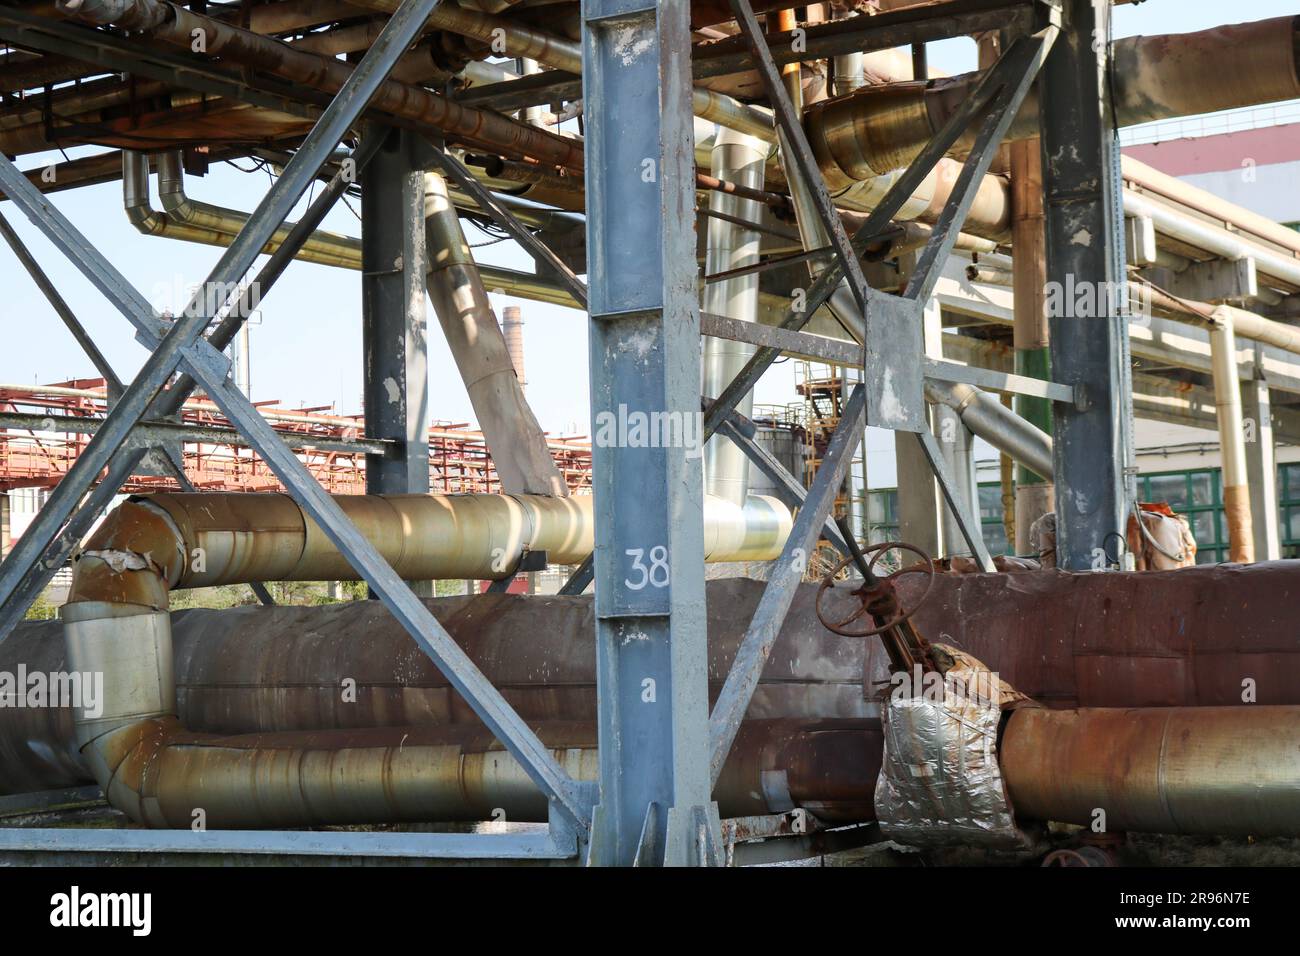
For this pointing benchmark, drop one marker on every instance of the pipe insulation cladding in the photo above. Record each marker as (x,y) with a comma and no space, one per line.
(151,544)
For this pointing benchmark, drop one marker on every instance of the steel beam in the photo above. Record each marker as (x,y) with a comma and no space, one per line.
(652,684)
(786,574)
(393,319)
(394,322)
(63,310)
(1092,447)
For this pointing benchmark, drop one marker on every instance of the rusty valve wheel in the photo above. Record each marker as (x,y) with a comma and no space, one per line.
(880,596)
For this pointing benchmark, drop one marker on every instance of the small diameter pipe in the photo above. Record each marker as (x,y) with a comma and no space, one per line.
(1232,441)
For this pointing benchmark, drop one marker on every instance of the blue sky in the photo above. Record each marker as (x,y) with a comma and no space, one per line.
(307,348)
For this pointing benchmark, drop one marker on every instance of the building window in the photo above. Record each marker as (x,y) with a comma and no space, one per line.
(1288,496)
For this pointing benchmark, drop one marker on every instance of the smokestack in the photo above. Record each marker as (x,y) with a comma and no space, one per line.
(512,327)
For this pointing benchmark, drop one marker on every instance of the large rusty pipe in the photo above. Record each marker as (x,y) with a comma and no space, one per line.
(250,669)
(1206,770)
(163,774)
(875,130)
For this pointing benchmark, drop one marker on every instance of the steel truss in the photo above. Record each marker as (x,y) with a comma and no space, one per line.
(183,344)
(660,749)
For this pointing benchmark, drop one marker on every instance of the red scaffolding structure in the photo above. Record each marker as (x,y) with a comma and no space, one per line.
(39,456)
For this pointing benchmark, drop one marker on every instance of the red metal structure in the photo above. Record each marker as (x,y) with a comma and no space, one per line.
(39,457)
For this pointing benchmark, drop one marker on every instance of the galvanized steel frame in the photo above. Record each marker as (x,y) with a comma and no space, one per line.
(994,104)
(655,804)
(183,344)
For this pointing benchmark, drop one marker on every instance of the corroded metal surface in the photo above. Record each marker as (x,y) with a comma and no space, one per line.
(1153,639)
(255,669)
(1219,770)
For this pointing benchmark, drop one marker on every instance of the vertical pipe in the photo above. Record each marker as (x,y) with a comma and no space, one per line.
(737,158)
(1232,441)
(245,361)
(1261,464)
(1035,494)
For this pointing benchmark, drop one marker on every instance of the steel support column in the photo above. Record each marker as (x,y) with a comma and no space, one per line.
(394,321)
(654,805)
(1085,249)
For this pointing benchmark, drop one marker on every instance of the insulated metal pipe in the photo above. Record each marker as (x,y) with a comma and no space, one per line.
(878,129)
(455,286)
(737,158)
(116,624)
(1232,442)
(1212,770)
(149,545)
(843,305)
(325,248)
(1213,238)
(1002,428)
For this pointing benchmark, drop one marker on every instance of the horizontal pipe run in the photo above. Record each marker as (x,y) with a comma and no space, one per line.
(176,26)
(1232,771)
(204,540)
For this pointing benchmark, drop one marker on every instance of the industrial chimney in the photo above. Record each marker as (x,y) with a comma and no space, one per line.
(512,327)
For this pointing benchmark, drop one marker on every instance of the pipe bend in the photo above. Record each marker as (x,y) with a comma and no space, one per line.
(116,623)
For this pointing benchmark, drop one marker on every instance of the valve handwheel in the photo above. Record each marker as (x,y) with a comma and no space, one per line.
(877,594)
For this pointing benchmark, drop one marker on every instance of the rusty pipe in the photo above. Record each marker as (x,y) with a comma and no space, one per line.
(518,39)
(251,670)
(1209,770)
(176,26)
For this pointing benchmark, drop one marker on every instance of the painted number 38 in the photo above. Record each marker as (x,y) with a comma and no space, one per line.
(655,574)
